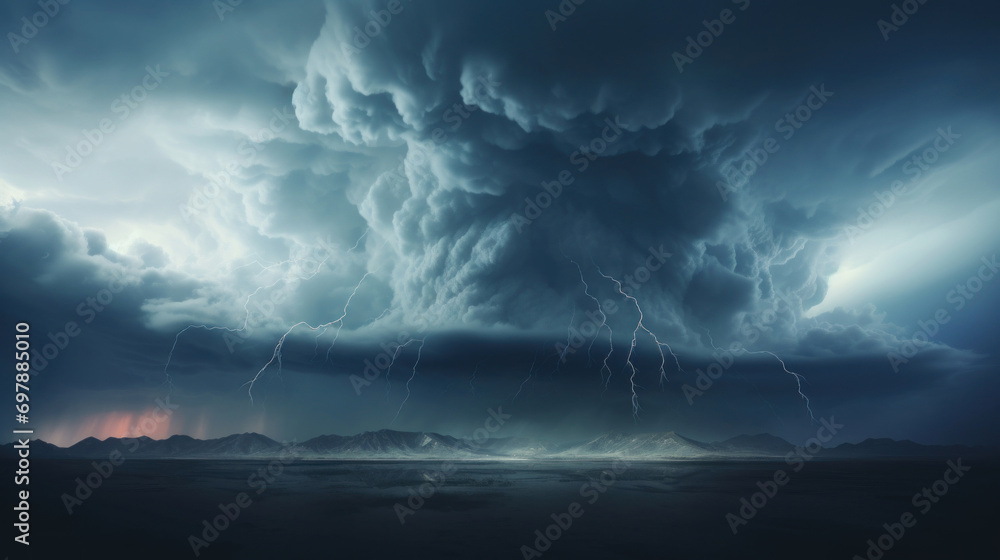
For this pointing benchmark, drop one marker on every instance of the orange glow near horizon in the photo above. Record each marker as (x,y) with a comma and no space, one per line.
(153,423)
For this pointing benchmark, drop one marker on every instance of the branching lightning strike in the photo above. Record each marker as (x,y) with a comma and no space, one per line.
(531,371)
(413,374)
(635,332)
(395,354)
(604,324)
(472,382)
(246,316)
(276,356)
(798,377)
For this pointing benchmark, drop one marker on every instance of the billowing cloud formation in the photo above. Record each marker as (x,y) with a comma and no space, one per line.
(766,176)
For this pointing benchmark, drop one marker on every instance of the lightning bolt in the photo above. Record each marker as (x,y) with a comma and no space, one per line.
(531,370)
(323,331)
(276,356)
(604,323)
(360,239)
(472,382)
(246,303)
(258,263)
(798,377)
(631,349)
(388,369)
(316,345)
(265,267)
(562,355)
(635,333)
(246,317)
(339,321)
(413,374)
(798,380)
(747,381)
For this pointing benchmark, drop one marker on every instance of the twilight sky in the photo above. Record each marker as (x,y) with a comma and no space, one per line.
(809,183)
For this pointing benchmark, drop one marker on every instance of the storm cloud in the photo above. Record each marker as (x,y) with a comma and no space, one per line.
(813,181)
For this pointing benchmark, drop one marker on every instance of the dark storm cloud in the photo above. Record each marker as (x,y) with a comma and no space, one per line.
(541,96)
(437,134)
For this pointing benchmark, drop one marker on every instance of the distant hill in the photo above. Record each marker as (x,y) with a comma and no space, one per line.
(760,445)
(385,443)
(884,447)
(392,444)
(667,445)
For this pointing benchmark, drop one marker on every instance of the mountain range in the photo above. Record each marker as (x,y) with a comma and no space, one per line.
(391,444)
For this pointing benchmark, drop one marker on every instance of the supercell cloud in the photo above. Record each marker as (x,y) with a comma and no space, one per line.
(814,181)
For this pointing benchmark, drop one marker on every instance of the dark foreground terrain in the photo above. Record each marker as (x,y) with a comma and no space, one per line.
(487,510)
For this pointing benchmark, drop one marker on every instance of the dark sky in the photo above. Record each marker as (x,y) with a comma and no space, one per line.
(811,185)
